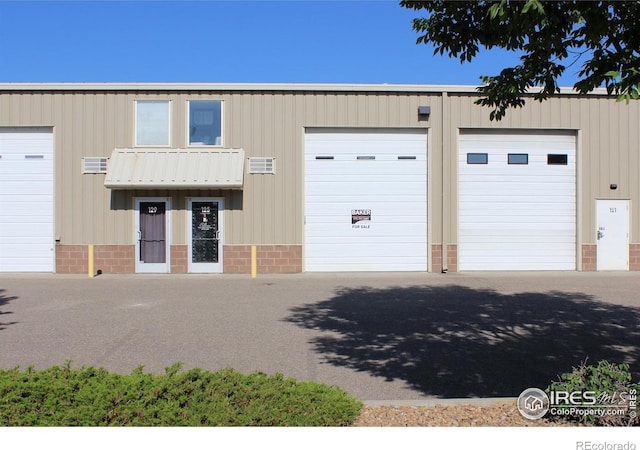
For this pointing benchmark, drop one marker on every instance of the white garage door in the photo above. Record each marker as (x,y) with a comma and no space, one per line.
(517,201)
(26,200)
(365,200)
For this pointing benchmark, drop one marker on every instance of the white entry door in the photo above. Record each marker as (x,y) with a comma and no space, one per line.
(612,234)
(205,235)
(153,233)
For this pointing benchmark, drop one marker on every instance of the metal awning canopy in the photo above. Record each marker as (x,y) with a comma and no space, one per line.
(165,168)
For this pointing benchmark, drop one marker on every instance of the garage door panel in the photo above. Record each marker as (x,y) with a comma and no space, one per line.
(393,190)
(347,199)
(30,265)
(518,260)
(17,171)
(24,231)
(348,264)
(26,209)
(523,229)
(488,239)
(415,232)
(386,178)
(321,220)
(520,215)
(516,248)
(517,217)
(16,184)
(26,251)
(385,139)
(371,249)
(8,241)
(531,265)
(517,190)
(526,224)
(347,169)
(368,190)
(390,208)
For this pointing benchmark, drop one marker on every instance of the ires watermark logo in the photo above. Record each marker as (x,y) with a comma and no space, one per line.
(534,403)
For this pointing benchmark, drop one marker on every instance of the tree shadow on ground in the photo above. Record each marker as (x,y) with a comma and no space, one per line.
(4,300)
(455,342)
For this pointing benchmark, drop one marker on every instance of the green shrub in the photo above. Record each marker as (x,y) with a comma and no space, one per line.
(613,386)
(62,396)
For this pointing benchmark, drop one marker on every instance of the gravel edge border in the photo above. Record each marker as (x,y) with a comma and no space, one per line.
(491,401)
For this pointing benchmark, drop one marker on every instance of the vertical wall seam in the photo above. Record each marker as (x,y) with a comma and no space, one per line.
(445,171)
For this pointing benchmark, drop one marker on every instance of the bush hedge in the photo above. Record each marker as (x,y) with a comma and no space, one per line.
(613,387)
(88,396)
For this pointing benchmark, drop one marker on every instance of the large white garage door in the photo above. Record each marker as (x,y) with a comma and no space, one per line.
(365,200)
(517,201)
(26,200)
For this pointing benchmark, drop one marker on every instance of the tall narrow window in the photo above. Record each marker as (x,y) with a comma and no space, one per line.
(152,122)
(205,122)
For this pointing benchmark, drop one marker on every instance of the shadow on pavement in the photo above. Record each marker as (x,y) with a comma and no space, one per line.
(4,300)
(455,342)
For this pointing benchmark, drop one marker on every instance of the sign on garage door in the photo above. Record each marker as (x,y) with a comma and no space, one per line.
(26,200)
(365,200)
(517,201)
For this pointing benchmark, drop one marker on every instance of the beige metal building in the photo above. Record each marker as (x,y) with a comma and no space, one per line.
(183,178)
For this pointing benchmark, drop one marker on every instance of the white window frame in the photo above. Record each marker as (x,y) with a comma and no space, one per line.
(188,123)
(135,122)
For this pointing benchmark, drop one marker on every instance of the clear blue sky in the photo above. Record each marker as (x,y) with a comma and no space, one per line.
(302,41)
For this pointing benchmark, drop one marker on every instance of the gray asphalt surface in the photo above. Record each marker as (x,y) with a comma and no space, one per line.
(381,337)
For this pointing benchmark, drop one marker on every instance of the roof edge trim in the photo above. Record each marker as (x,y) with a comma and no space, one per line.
(301,87)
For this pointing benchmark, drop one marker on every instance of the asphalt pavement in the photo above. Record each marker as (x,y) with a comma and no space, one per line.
(382,337)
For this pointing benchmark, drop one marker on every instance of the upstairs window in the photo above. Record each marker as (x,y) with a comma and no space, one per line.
(205,122)
(152,123)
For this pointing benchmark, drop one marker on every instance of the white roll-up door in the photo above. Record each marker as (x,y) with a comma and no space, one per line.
(517,200)
(26,200)
(365,200)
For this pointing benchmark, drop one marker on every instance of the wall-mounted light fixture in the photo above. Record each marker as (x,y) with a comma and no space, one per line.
(613,187)
(424,111)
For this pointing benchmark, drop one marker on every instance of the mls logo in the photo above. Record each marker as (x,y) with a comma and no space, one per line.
(533,403)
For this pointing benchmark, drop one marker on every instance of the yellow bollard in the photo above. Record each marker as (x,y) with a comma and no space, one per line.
(90,264)
(254,262)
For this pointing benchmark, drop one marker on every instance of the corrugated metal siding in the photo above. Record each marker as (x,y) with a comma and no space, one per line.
(93,123)
(271,123)
(607,149)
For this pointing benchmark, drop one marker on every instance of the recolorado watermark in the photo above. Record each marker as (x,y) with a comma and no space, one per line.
(534,403)
(590,445)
